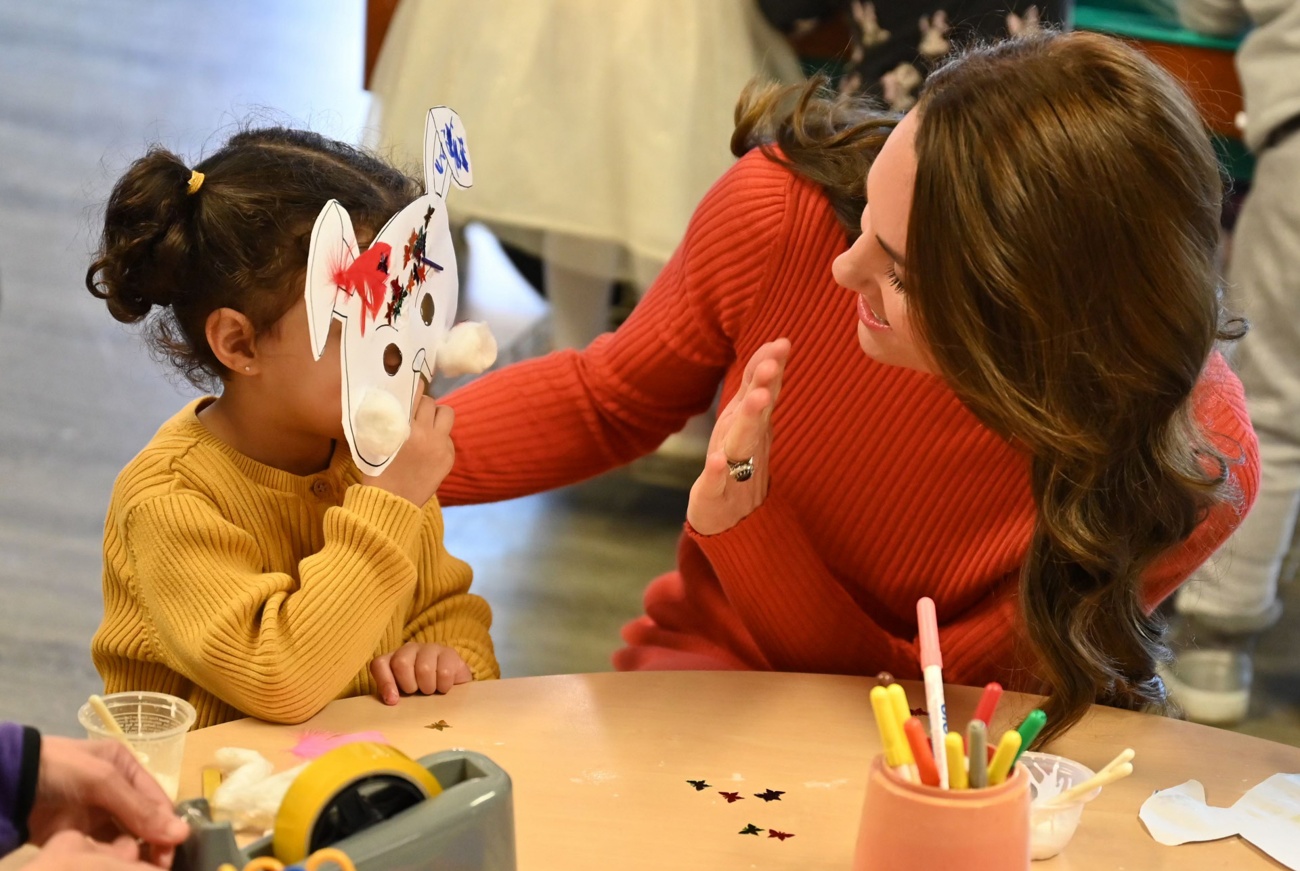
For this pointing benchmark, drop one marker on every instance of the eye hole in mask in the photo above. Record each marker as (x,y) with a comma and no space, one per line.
(426,309)
(392,359)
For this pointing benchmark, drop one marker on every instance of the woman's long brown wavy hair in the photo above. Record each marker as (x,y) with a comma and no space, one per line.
(1061,270)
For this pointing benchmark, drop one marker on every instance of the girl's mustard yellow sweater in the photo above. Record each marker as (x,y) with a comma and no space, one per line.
(252,591)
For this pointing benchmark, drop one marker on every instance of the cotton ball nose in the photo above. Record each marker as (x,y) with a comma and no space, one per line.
(380,425)
(469,348)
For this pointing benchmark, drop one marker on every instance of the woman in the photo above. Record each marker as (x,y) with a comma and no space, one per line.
(1039,434)
(89,804)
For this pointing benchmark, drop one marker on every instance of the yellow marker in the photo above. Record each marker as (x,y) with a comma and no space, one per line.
(1000,767)
(890,733)
(211,780)
(952,745)
(898,702)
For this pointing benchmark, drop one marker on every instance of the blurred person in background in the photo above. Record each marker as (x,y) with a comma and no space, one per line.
(1234,598)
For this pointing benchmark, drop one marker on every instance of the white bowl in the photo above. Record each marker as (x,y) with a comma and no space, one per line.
(1052,827)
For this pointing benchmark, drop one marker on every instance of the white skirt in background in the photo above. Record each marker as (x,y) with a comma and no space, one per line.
(594,126)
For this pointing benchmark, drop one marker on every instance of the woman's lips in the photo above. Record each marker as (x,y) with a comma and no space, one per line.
(868,316)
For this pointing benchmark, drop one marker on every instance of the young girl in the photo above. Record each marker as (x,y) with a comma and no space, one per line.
(248,565)
(1018,412)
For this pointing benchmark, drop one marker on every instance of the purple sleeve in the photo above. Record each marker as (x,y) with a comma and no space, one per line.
(20,751)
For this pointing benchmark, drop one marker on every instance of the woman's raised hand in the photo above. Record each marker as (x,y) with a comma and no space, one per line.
(735,477)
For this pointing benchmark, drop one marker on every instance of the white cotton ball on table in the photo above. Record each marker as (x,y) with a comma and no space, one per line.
(380,425)
(251,794)
(469,349)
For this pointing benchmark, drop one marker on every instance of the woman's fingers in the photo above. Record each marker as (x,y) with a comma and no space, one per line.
(748,426)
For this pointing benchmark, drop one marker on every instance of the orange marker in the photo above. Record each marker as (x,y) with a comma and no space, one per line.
(921,752)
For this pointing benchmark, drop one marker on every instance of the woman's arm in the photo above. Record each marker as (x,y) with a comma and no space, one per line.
(19,762)
(274,647)
(570,415)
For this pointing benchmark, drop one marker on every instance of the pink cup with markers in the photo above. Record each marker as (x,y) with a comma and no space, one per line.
(909,825)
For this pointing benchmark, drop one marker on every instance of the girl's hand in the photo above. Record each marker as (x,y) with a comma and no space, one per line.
(744,429)
(418,668)
(426,457)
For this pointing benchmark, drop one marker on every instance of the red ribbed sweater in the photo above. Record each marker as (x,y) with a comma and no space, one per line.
(884,488)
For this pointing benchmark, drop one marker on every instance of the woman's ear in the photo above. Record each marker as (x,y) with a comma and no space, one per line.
(233,340)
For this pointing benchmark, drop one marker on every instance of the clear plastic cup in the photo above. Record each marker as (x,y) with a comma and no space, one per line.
(1052,826)
(155,725)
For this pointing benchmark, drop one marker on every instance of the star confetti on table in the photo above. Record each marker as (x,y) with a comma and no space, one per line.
(440,725)
(770,794)
(773,833)
(751,829)
(731,796)
(699,785)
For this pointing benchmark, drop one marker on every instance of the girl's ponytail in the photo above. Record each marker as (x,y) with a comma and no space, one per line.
(146,247)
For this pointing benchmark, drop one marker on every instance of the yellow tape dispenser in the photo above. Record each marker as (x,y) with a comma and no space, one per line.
(344,791)
(369,807)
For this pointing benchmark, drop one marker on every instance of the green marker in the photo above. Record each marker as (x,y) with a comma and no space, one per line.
(1029,730)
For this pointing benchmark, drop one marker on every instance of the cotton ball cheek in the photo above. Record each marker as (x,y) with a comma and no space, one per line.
(380,425)
(469,349)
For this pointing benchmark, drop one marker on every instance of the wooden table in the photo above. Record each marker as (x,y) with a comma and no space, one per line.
(600,764)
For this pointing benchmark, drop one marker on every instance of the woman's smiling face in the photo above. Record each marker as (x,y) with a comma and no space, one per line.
(875,267)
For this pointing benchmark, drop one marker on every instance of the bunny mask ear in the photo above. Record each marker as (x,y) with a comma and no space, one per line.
(446,158)
(333,251)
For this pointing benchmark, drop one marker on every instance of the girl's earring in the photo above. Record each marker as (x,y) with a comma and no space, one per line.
(248,368)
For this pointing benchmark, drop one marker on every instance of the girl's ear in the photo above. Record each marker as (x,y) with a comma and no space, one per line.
(233,340)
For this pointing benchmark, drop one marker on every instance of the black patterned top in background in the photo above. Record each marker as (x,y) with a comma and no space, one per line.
(897,42)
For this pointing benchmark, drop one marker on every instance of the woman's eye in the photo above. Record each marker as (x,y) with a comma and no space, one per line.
(894,279)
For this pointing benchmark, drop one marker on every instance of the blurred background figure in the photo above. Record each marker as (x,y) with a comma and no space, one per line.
(896,44)
(594,126)
(1235,597)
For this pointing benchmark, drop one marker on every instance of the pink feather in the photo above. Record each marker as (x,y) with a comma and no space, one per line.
(312,744)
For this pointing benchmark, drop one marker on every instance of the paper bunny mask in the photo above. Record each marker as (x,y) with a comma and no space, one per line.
(396,300)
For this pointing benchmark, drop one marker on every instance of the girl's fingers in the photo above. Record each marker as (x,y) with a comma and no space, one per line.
(443,419)
(426,408)
(463,674)
(385,685)
(449,666)
(403,665)
(427,668)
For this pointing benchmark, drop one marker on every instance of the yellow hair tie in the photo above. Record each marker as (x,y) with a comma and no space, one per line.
(196,182)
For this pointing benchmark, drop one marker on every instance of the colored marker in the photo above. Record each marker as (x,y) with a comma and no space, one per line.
(925,765)
(898,701)
(891,736)
(988,703)
(956,752)
(1000,767)
(932,668)
(1029,730)
(977,732)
